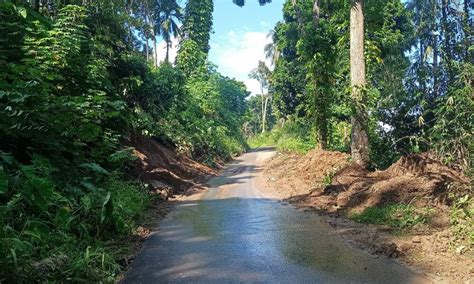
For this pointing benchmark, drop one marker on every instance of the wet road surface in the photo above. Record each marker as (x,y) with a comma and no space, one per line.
(234,235)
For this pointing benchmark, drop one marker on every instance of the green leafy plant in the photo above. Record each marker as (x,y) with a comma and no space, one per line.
(397,216)
(462,213)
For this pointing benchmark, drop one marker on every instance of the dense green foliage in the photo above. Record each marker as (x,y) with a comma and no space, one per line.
(197,25)
(292,136)
(75,82)
(78,78)
(419,72)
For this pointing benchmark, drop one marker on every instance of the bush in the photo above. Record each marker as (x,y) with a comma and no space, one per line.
(291,137)
(59,232)
(396,216)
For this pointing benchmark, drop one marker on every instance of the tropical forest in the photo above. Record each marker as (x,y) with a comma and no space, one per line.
(233,141)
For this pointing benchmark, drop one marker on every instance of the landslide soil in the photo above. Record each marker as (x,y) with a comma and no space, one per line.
(169,176)
(330,185)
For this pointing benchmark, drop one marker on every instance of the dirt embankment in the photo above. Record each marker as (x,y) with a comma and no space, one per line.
(329,184)
(165,171)
(166,174)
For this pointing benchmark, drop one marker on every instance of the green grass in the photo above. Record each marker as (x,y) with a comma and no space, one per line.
(290,138)
(396,216)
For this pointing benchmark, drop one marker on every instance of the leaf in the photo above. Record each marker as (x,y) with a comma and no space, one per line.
(450,100)
(421,121)
(88,185)
(107,208)
(22,12)
(3,181)
(96,168)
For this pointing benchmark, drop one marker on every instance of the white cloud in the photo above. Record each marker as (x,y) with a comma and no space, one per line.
(253,86)
(237,53)
(162,50)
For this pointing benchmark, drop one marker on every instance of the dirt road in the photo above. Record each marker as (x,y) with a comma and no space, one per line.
(235,233)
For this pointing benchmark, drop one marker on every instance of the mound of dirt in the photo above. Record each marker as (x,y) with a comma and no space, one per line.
(296,174)
(415,179)
(326,183)
(165,171)
(327,180)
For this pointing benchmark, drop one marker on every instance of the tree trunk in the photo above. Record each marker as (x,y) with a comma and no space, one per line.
(167,52)
(299,17)
(316,13)
(37,5)
(435,66)
(155,50)
(146,50)
(447,40)
(467,30)
(265,113)
(359,138)
(130,26)
(147,26)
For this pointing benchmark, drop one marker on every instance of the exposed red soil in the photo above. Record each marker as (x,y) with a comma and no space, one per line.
(296,174)
(416,179)
(165,171)
(327,183)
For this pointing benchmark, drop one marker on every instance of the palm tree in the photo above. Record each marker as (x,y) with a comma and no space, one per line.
(271,49)
(168,15)
(262,75)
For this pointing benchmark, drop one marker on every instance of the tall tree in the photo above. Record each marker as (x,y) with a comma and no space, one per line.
(271,48)
(197,23)
(359,137)
(262,75)
(168,15)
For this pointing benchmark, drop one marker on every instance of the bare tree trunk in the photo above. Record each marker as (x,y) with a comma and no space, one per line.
(146,49)
(316,13)
(147,26)
(435,66)
(167,52)
(155,50)
(359,138)
(265,112)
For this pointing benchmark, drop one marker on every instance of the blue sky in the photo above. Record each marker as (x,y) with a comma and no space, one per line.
(240,34)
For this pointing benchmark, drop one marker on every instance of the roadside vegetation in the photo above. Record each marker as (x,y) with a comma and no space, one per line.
(380,80)
(77,79)
(396,216)
(410,94)
(290,137)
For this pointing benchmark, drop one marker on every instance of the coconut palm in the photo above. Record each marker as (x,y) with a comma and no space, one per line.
(168,15)
(271,48)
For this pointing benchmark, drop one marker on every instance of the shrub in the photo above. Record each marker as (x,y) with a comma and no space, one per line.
(396,216)
(291,137)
